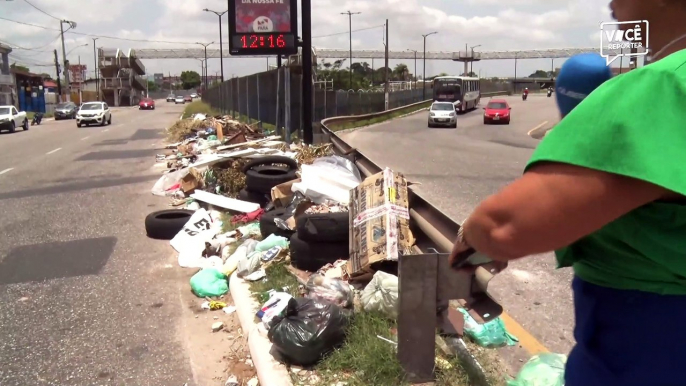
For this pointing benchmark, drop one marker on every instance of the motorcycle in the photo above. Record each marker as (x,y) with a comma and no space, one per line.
(524,95)
(37,118)
(550,92)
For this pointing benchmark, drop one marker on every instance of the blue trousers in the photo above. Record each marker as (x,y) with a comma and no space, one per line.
(627,338)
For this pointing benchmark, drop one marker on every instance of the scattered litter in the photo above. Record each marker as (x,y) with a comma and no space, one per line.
(255,276)
(229,310)
(490,334)
(209,282)
(232,381)
(218,326)
(543,369)
(381,295)
(253,382)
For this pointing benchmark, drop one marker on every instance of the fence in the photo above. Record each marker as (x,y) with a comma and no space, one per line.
(263,97)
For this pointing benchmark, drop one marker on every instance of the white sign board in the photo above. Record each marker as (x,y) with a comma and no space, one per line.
(190,241)
(623,35)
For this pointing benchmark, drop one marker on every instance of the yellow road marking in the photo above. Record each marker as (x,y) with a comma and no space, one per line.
(526,340)
(536,128)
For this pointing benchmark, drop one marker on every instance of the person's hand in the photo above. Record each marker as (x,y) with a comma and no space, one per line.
(461,251)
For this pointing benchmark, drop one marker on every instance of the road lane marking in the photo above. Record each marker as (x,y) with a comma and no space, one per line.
(105,130)
(531,132)
(526,340)
(53,151)
(85,138)
(6,170)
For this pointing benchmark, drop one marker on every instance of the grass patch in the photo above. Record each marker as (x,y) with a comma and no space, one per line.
(199,107)
(383,118)
(278,277)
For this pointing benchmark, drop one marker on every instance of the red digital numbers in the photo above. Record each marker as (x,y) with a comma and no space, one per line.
(255,41)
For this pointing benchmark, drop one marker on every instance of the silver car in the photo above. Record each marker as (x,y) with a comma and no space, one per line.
(179,99)
(442,114)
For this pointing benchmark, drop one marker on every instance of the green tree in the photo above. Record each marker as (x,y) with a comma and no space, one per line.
(152,86)
(190,79)
(46,76)
(19,67)
(401,72)
(540,74)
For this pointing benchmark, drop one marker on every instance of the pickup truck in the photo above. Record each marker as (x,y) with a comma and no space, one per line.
(10,119)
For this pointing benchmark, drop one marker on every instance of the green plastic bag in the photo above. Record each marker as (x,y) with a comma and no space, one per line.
(547,369)
(490,334)
(209,282)
(271,242)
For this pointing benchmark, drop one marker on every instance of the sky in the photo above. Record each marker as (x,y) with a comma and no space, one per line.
(495,25)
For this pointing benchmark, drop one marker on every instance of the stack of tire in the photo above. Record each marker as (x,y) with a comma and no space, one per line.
(262,174)
(319,239)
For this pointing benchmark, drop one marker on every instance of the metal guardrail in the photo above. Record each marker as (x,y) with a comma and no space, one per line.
(427,282)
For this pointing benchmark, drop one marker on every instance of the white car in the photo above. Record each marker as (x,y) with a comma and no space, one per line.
(442,114)
(94,113)
(179,99)
(194,95)
(10,119)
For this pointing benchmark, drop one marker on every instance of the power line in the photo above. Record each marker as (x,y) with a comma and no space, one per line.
(41,11)
(347,32)
(17,46)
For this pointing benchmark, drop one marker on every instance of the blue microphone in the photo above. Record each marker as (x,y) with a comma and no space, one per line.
(579,76)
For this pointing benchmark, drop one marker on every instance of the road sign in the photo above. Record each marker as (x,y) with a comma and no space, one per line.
(258,27)
(76,72)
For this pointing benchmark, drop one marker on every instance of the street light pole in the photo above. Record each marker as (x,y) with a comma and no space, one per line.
(424,66)
(471,64)
(205,69)
(350,26)
(415,67)
(221,51)
(97,76)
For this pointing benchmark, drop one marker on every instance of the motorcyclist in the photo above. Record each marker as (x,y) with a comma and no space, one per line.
(526,91)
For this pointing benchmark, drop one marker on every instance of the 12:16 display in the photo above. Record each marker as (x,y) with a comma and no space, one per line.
(263,41)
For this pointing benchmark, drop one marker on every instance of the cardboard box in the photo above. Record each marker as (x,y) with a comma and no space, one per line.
(379,222)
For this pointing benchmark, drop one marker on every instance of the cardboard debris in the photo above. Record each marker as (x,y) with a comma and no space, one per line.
(191,181)
(225,202)
(380,225)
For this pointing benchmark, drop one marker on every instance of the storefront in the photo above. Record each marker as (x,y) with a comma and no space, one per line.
(30,91)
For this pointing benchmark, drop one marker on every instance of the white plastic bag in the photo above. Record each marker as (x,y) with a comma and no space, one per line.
(168,180)
(327,179)
(381,294)
(249,264)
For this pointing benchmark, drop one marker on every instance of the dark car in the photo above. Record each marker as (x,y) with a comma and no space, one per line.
(188,98)
(66,110)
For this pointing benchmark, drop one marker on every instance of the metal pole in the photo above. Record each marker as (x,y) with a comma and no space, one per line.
(247,98)
(221,49)
(386,71)
(287,111)
(424,71)
(514,85)
(259,116)
(66,63)
(306,121)
(415,69)
(97,75)
(278,99)
(206,85)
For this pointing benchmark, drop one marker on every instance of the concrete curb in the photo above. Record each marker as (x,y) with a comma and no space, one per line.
(269,371)
(381,123)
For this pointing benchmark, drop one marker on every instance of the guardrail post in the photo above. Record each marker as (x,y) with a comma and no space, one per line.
(259,116)
(247,97)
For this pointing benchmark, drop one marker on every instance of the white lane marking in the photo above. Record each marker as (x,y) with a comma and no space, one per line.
(6,170)
(85,138)
(105,130)
(53,151)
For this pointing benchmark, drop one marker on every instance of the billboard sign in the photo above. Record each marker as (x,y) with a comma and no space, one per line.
(263,27)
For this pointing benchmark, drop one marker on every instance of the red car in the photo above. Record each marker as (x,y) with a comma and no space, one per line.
(497,111)
(187,98)
(146,104)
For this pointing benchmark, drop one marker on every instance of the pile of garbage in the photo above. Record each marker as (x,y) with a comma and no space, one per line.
(244,201)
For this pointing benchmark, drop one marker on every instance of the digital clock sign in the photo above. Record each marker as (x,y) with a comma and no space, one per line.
(263,27)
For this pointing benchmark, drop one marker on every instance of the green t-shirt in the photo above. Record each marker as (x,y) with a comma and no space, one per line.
(632,125)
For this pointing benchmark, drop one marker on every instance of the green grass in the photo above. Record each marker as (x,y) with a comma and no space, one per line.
(199,107)
(278,277)
(383,118)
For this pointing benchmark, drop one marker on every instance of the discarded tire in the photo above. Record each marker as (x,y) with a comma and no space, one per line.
(165,224)
(321,227)
(311,256)
(263,178)
(254,197)
(261,175)
(268,227)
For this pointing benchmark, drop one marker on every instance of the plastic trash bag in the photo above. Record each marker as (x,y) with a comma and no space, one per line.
(547,369)
(332,290)
(381,295)
(249,264)
(167,181)
(327,180)
(209,282)
(308,332)
(270,242)
(340,163)
(490,334)
(241,253)
(275,308)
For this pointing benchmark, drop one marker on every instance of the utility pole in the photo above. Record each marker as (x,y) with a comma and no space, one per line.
(221,51)
(57,72)
(424,66)
(308,134)
(386,70)
(350,24)
(415,67)
(205,76)
(64,56)
(97,75)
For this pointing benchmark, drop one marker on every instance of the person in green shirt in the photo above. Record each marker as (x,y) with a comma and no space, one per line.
(606,189)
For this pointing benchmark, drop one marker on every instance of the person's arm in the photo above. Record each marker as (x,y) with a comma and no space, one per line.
(551,206)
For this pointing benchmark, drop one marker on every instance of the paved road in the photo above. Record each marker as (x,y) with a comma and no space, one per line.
(85,297)
(457,168)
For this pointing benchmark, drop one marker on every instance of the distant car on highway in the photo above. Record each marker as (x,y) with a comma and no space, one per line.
(94,112)
(187,98)
(194,95)
(497,111)
(146,104)
(170,98)
(66,111)
(10,119)
(442,114)
(179,99)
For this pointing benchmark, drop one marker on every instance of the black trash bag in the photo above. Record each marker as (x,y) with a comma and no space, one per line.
(308,332)
(280,221)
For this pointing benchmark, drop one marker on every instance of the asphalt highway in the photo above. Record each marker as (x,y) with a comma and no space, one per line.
(458,168)
(85,297)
